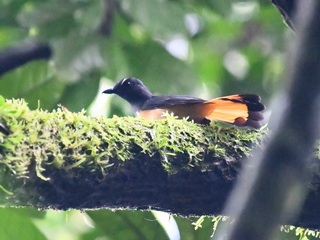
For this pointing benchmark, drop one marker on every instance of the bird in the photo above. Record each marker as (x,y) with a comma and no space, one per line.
(239,109)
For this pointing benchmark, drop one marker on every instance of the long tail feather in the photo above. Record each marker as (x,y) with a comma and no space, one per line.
(240,110)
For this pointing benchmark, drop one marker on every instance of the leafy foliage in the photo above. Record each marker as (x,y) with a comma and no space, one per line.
(227,47)
(204,48)
(18,224)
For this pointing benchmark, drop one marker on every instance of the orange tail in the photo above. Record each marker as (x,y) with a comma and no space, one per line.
(240,110)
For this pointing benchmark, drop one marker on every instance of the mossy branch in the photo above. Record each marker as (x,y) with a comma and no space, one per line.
(68,160)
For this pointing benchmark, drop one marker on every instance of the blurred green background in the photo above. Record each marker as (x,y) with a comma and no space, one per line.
(203,48)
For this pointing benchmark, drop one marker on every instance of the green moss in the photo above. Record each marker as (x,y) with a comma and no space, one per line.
(69,140)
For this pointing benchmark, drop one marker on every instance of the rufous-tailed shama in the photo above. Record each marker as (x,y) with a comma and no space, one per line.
(239,109)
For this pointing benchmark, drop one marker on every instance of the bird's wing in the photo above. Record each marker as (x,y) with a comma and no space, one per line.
(169,101)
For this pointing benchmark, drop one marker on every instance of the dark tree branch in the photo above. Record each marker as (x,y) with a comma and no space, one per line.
(67,160)
(271,192)
(110,7)
(287,9)
(15,57)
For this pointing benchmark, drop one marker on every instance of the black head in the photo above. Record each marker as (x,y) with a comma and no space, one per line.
(132,90)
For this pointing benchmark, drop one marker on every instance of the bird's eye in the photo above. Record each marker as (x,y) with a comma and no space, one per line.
(126,81)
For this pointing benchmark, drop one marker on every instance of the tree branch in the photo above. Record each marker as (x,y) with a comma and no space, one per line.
(15,57)
(287,9)
(272,192)
(67,160)
(106,25)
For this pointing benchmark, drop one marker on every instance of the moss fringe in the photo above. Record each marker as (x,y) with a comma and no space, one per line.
(69,140)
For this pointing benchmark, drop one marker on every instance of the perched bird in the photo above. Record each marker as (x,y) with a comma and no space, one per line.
(240,110)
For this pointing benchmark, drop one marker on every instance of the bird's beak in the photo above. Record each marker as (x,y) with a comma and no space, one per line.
(108,91)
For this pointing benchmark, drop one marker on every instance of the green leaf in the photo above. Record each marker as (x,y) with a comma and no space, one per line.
(127,225)
(114,56)
(60,27)
(79,95)
(159,18)
(46,95)
(34,82)
(16,224)
(160,71)
(42,13)
(23,79)
(221,7)
(8,12)
(2,100)
(52,19)
(9,36)
(90,17)
(76,55)
(28,212)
